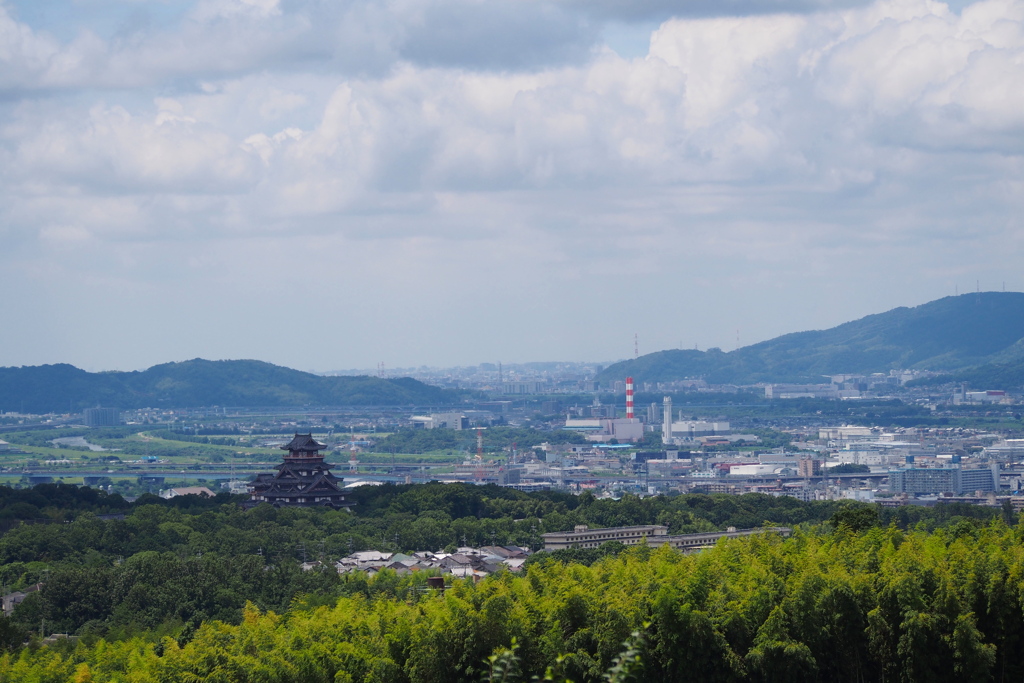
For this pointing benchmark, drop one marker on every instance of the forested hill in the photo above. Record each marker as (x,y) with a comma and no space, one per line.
(193,383)
(949,334)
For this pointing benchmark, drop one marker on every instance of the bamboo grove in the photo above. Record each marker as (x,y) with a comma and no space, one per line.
(838,601)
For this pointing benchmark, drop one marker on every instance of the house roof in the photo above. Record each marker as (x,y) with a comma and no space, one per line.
(189,491)
(369,555)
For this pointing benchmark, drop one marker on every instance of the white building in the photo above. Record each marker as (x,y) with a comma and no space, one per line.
(692,429)
(801,391)
(991,396)
(844,434)
(603,429)
(752,470)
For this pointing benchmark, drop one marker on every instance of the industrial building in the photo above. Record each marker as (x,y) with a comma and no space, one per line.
(990,396)
(440,421)
(605,429)
(673,431)
(845,434)
(692,429)
(448,421)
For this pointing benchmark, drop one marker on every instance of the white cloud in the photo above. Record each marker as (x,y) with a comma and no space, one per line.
(820,98)
(24,55)
(108,149)
(777,155)
(211,10)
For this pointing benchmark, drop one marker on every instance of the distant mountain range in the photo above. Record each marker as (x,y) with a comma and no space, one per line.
(195,383)
(977,338)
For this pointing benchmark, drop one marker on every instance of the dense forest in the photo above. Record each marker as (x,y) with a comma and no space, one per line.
(835,602)
(115,570)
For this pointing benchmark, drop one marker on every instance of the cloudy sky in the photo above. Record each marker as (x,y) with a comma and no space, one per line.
(326,184)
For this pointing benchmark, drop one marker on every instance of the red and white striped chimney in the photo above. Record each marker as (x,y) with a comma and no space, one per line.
(629,398)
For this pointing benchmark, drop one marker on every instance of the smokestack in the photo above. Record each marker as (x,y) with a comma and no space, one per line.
(666,421)
(629,398)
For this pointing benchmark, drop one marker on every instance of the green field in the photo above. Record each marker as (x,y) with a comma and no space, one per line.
(125,447)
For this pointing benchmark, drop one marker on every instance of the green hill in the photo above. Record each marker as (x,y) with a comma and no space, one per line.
(193,383)
(950,334)
(1007,376)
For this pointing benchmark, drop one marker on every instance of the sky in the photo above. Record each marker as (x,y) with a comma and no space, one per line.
(331,184)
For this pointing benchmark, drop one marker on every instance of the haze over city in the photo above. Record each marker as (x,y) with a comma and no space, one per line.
(447,182)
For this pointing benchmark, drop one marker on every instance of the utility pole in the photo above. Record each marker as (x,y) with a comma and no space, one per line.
(479,454)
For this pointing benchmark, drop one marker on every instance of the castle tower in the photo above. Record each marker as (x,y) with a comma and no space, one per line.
(303,479)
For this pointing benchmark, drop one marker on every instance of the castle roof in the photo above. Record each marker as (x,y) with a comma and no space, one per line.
(303,443)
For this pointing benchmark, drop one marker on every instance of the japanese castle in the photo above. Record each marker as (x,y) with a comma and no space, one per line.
(303,479)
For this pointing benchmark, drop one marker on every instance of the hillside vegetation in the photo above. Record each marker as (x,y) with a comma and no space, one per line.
(949,334)
(833,603)
(1005,376)
(167,567)
(194,383)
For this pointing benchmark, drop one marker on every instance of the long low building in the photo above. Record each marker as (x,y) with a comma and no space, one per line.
(654,534)
(708,539)
(585,537)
